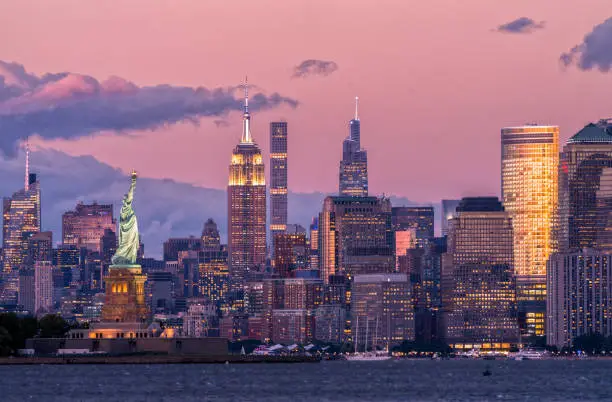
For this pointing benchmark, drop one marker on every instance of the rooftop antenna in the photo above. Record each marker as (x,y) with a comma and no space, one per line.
(356,107)
(246,117)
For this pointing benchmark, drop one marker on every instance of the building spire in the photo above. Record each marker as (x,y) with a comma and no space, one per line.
(356,107)
(26,184)
(246,117)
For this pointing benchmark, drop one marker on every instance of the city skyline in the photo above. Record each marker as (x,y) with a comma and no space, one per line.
(420,89)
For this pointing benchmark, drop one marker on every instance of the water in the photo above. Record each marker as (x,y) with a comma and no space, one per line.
(426,380)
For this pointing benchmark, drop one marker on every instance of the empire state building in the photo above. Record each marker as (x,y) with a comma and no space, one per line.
(246,197)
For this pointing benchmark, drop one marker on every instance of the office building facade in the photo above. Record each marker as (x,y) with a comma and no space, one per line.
(478,285)
(579,299)
(419,219)
(355,236)
(278,178)
(85,226)
(529,181)
(382,314)
(584,188)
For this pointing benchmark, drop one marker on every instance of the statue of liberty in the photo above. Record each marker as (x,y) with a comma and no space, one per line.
(128,230)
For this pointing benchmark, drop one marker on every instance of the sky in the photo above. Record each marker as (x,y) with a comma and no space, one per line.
(436,81)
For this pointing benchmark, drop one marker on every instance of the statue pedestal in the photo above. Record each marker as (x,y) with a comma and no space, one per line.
(125,297)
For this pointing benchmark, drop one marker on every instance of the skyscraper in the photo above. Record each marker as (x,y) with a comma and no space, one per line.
(355,236)
(585,163)
(353,178)
(278,178)
(21,219)
(579,299)
(85,226)
(529,180)
(420,219)
(382,312)
(246,196)
(449,208)
(43,285)
(479,300)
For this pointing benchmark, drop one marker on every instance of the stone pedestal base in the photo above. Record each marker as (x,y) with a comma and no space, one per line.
(125,296)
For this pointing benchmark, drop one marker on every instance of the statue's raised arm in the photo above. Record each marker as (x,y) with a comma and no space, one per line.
(130,194)
(129,242)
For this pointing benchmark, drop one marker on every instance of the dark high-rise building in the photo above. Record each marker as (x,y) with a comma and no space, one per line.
(173,246)
(211,240)
(382,312)
(40,248)
(586,162)
(449,209)
(159,292)
(69,258)
(579,295)
(85,226)
(290,253)
(478,285)
(213,268)
(278,178)
(246,193)
(355,236)
(353,178)
(421,219)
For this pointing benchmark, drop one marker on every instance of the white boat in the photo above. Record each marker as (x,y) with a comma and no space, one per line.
(367,357)
(529,354)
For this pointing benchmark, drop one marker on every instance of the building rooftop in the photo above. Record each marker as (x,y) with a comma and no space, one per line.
(480,204)
(593,133)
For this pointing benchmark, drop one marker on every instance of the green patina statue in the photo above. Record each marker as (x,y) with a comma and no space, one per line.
(128,230)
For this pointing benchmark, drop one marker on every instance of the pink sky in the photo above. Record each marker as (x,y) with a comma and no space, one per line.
(435,82)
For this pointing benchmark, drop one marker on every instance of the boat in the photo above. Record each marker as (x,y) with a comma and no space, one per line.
(529,354)
(367,357)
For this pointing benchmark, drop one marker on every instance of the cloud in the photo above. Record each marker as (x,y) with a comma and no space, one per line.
(221,123)
(69,105)
(520,25)
(595,51)
(314,67)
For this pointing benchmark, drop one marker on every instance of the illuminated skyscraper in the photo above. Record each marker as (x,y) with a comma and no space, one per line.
(355,236)
(85,226)
(278,178)
(584,187)
(21,219)
(529,179)
(246,196)
(353,180)
(478,286)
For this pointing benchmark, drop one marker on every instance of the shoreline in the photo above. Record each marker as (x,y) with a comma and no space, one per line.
(155,359)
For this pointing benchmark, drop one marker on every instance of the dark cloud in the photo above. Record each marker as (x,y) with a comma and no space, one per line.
(68,105)
(521,25)
(314,67)
(165,208)
(595,51)
(221,123)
